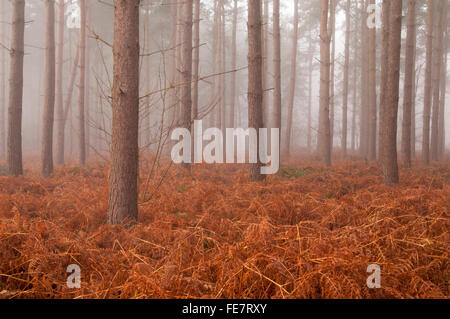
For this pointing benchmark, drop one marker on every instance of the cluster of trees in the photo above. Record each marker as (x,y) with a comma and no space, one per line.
(371,76)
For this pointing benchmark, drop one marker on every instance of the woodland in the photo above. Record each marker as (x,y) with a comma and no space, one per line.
(224,149)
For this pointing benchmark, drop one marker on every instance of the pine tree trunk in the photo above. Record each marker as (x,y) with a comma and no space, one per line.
(87,90)
(49,91)
(171,108)
(310,84)
(277,66)
(123,188)
(2,84)
(59,106)
(441,133)
(255,88)
(14,146)
(363,135)
(186,89)
(324,115)
(437,56)
(427,91)
(196,60)
(372,94)
(265,54)
(408,83)
(384,71)
(389,125)
(287,142)
(81,86)
(332,27)
(233,65)
(346,76)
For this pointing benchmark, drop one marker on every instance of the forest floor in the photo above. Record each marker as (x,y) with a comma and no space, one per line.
(307,232)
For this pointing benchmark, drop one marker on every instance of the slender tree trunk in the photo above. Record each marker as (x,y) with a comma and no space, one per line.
(49,91)
(363,135)
(292,82)
(59,106)
(2,83)
(324,116)
(310,71)
(173,66)
(346,73)
(265,54)
(441,133)
(81,86)
(413,104)
(427,92)
(384,71)
(186,97)
(255,88)
(233,65)
(442,10)
(332,31)
(372,93)
(277,66)
(390,165)
(408,84)
(16,89)
(196,60)
(123,187)
(87,90)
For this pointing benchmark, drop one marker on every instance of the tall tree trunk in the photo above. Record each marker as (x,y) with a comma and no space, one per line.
(49,91)
(173,66)
(277,66)
(16,89)
(186,97)
(2,83)
(81,86)
(413,104)
(408,83)
(255,88)
(324,112)
(310,71)
(59,106)
(332,31)
(390,165)
(233,65)
(442,10)
(265,65)
(287,142)
(196,60)
(441,133)
(346,73)
(363,135)
(372,93)
(123,187)
(427,92)
(384,71)
(87,90)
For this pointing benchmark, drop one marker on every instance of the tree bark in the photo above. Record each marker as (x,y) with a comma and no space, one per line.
(2,84)
(363,135)
(255,87)
(441,133)
(59,106)
(390,165)
(123,188)
(427,91)
(16,89)
(437,52)
(277,67)
(346,76)
(408,83)
(332,31)
(233,65)
(384,72)
(324,116)
(196,60)
(287,142)
(186,97)
(49,91)
(81,86)
(372,93)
